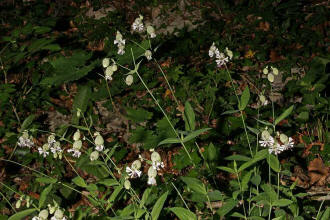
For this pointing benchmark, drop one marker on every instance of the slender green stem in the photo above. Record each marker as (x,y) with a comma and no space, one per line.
(5,198)
(241,189)
(18,194)
(110,96)
(241,112)
(162,110)
(319,211)
(168,84)
(184,202)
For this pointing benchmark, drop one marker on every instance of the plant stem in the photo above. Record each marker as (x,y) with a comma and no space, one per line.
(162,110)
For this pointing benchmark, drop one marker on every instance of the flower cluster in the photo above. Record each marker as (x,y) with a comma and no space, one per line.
(53,146)
(99,146)
(221,57)
(25,140)
(156,165)
(77,144)
(270,72)
(109,69)
(54,210)
(120,43)
(276,144)
(138,25)
(25,199)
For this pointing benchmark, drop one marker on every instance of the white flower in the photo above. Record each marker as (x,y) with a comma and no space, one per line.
(25,140)
(55,148)
(36,218)
(221,59)
(129,80)
(121,50)
(157,164)
(275,70)
(99,147)
(105,62)
(120,43)
(138,24)
(267,142)
(44,150)
(289,144)
(75,152)
(213,50)
(152,181)
(151,31)
(148,54)
(133,173)
(276,148)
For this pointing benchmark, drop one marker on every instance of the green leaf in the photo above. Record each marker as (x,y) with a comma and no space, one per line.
(108,182)
(44,195)
(245,180)
(183,214)
(79,181)
(238,215)
(256,180)
(195,185)
(27,122)
(285,114)
(46,180)
(80,102)
(138,115)
(158,206)
(229,112)
(227,169)
(269,191)
(189,137)
(273,162)
(326,214)
(20,215)
(115,193)
(211,152)
(194,134)
(189,117)
(238,157)
(68,69)
(145,196)
(169,141)
(282,202)
(227,207)
(257,157)
(244,98)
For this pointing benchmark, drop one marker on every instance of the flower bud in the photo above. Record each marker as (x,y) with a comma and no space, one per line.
(58,214)
(265,135)
(51,209)
(18,204)
(99,140)
(152,172)
(270,77)
(43,214)
(275,71)
(127,184)
(262,98)
(105,62)
(136,165)
(129,80)
(265,71)
(284,139)
(45,147)
(109,71)
(51,139)
(114,68)
(76,135)
(94,155)
(77,145)
(155,157)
